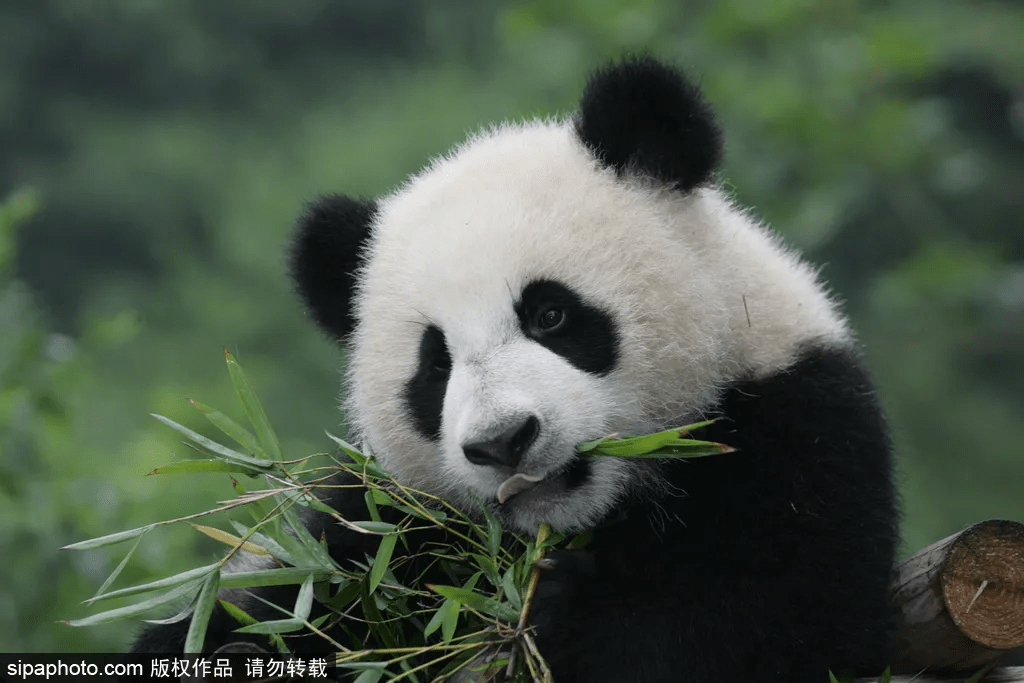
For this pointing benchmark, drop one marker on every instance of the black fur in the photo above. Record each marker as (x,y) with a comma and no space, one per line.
(330,237)
(585,336)
(424,392)
(771,564)
(643,116)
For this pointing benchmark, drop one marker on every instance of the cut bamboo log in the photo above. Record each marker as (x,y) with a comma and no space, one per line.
(960,601)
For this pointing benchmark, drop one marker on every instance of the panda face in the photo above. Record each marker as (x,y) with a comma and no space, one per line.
(548,283)
(510,408)
(507,309)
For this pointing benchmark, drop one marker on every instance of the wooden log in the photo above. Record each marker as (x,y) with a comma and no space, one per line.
(1006,674)
(961,601)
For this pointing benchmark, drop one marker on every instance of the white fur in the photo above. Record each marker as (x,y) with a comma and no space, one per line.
(681,275)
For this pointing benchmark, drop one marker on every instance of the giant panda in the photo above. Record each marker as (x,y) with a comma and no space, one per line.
(554,281)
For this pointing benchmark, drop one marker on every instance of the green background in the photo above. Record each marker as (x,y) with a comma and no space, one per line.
(158,152)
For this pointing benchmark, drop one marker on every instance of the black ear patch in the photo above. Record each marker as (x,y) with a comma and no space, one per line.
(641,115)
(329,241)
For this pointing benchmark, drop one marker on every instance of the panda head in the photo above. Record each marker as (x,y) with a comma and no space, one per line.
(547,283)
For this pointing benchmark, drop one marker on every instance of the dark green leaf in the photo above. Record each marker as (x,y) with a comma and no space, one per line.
(173,595)
(278,576)
(237,613)
(371,506)
(208,466)
(377,527)
(213,446)
(109,539)
(435,620)
(479,602)
(192,575)
(369,676)
(381,560)
(253,409)
(201,616)
(449,619)
(508,584)
(240,434)
(117,570)
(304,601)
(274,626)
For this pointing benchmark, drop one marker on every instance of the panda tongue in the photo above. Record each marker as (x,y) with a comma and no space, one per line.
(517,483)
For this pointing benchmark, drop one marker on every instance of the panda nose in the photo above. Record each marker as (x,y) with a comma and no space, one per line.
(507,448)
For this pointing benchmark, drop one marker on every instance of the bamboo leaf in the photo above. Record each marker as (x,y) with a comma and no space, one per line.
(278,576)
(272,546)
(314,553)
(253,409)
(349,450)
(190,576)
(207,466)
(229,539)
(582,539)
(376,527)
(382,560)
(636,445)
(214,447)
(117,570)
(371,506)
(180,616)
(369,676)
(508,583)
(237,613)
(201,617)
(679,448)
(110,539)
(641,445)
(242,436)
(434,516)
(435,620)
(477,601)
(138,608)
(449,620)
(381,497)
(274,626)
(304,601)
(489,566)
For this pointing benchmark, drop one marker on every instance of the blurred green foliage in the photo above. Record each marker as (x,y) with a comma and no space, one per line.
(171,145)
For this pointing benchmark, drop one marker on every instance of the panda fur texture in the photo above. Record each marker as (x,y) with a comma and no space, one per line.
(551,282)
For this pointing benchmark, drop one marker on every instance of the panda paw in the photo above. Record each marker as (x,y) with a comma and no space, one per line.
(564,575)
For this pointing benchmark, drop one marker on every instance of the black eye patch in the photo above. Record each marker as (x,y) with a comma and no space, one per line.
(424,392)
(560,320)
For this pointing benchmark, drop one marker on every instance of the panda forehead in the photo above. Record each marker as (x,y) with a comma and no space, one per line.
(510,206)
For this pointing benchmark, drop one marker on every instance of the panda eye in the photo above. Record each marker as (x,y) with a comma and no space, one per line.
(442,364)
(435,360)
(550,319)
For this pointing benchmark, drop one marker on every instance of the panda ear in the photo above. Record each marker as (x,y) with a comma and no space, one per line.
(643,116)
(330,238)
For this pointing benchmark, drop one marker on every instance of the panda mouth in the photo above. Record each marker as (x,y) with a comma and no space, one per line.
(516,484)
(567,478)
